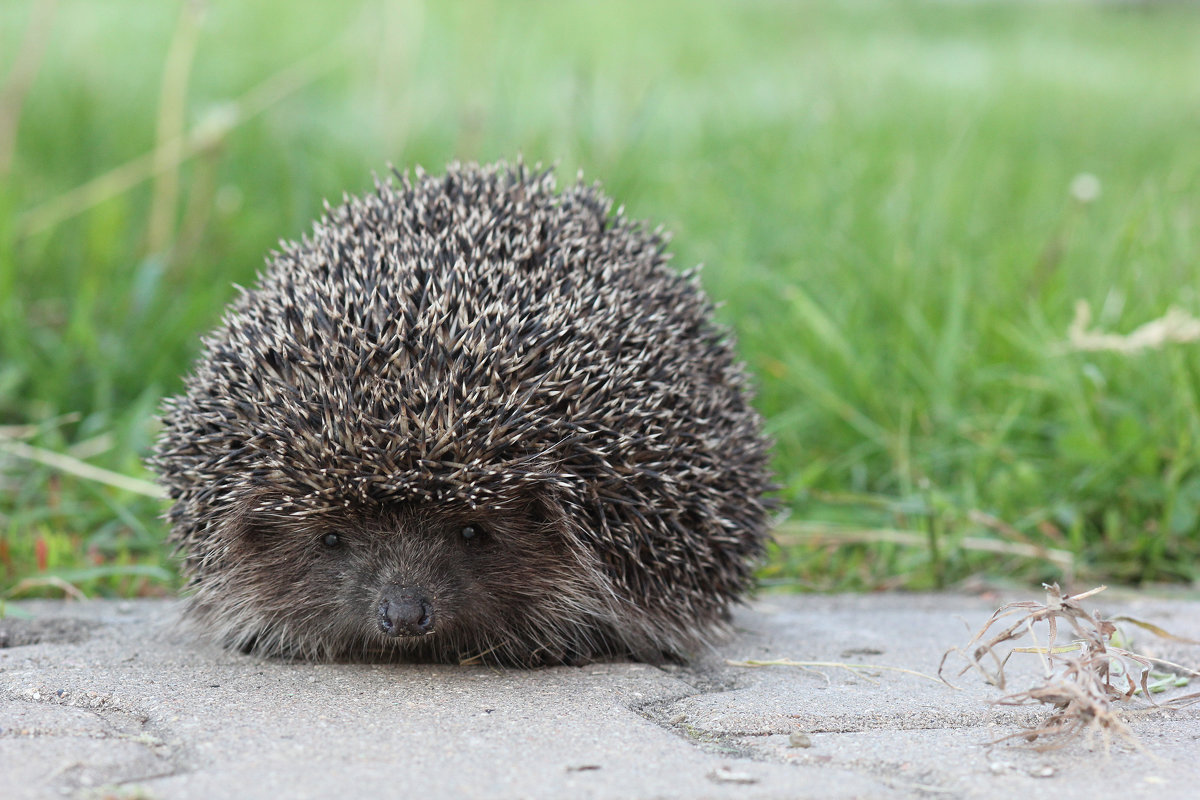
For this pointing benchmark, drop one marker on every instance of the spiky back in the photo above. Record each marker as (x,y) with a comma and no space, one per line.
(468,339)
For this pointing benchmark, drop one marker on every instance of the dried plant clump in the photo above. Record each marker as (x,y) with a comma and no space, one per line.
(1085,675)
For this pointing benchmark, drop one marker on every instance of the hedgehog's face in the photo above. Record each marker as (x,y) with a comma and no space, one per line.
(414,581)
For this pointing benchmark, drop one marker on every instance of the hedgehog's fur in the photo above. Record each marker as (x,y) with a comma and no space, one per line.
(473,350)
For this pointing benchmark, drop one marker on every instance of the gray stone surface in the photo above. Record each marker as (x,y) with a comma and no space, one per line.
(114,699)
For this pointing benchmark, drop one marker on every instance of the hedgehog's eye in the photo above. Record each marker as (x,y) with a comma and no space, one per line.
(331,540)
(470,533)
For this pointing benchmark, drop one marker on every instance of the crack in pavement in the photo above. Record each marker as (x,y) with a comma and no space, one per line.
(124,745)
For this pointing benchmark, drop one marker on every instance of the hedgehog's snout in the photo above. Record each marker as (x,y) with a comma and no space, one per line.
(405,611)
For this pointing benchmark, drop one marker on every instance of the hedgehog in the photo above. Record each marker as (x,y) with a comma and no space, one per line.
(467,419)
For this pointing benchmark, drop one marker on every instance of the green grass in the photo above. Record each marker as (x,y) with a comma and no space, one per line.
(880,192)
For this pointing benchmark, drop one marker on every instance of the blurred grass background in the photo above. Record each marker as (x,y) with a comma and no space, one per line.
(901,206)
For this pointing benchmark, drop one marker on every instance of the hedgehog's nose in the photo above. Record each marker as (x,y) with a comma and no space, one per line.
(405,611)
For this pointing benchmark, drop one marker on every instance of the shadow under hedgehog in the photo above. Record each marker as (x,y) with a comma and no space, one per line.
(467,419)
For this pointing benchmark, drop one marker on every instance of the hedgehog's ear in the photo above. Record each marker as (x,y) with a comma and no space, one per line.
(265,516)
(537,513)
(544,511)
(550,515)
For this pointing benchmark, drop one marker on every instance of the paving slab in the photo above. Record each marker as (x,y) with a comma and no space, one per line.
(115,699)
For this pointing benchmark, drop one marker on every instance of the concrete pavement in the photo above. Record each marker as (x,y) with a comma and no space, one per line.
(112,699)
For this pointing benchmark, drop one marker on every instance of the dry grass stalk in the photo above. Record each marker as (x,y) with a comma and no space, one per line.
(169,138)
(817,534)
(1085,676)
(39,582)
(207,134)
(859,670)
(20,78)
(78,468)
(1176,326)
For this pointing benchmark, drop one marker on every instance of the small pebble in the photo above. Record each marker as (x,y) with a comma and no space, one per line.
(727,775)
(799,739)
